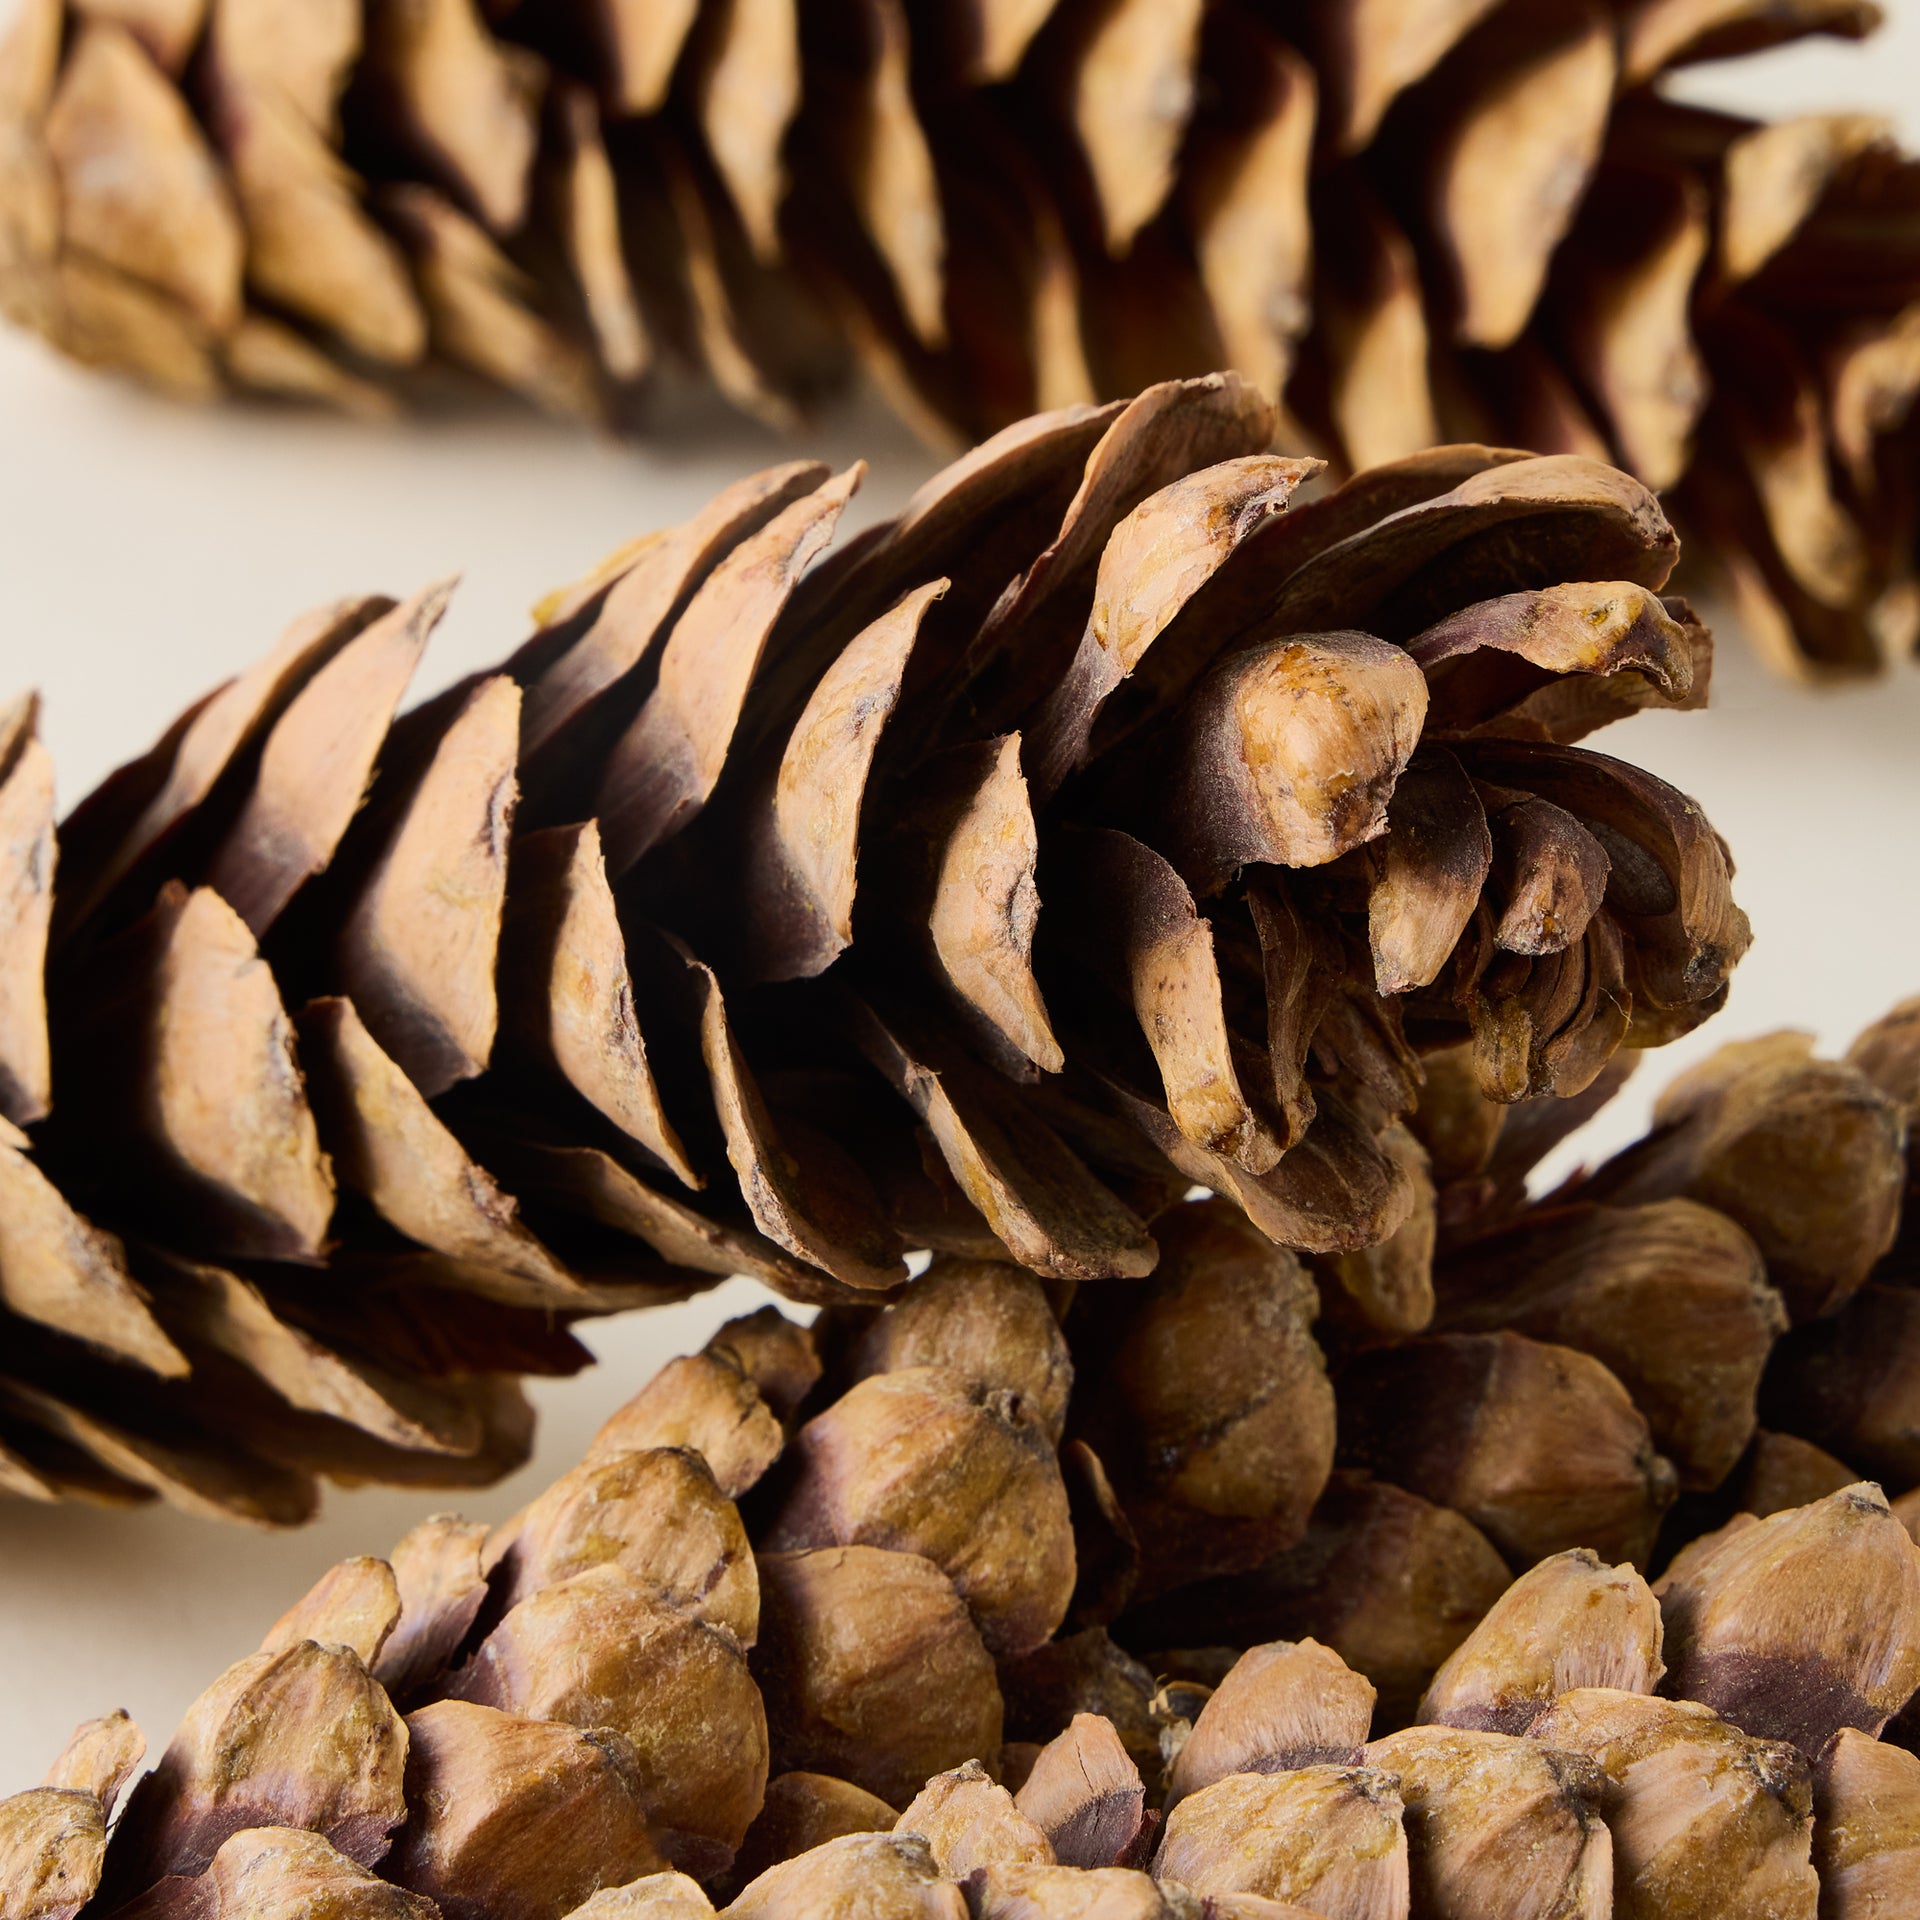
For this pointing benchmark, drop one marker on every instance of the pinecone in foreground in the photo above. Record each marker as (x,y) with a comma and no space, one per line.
(1292,785)
(846,1694)
(1473,221)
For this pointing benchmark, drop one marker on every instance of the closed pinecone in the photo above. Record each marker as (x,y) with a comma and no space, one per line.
(1463,222)
(797,1639)
(656,928)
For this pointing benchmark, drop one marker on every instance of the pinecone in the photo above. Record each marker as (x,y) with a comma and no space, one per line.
(1099,664)
(1474,223)
(790,1639)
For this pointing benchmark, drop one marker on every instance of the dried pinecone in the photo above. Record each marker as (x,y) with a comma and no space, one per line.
(848,1694)
(1480,222)
(1293,785)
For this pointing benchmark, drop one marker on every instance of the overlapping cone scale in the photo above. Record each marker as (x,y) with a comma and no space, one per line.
(1101,825)
(1468,221)
(637,1700)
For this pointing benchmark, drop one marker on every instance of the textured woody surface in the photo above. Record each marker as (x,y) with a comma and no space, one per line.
(564,1747)
(1447,221)
(975,888)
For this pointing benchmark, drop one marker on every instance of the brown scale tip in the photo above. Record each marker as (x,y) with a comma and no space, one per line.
(604,1650)
(1205,1393)
(53,1843)
(356,1605)
(704,1401)
(925,1461)
(1707,1822)
(1866,1836)
(1330,1839)
(1572,1621)
(991,1323)
(517,1818)
(1499,1825)
(300,1737)
(1084,1792)
(872,1669)
(803,1811)
(1287,1704)
(659,1515)
(971,1822)
(1537,1444)
(1066,1893)
(280,1873)
(1809,1156)
(654,1896)
(777,1354)
(865,1876)
(1802,1623)
(1083,1673)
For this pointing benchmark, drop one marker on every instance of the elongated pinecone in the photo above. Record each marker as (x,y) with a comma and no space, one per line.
(1464,222)
(799,1636)
(1099,665)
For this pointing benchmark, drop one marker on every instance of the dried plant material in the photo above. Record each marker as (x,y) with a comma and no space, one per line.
(806,851)
(1392,1583)
(280,1873)
(991,1324)
(1129,98)
(706,1403)
(299,1737)
(466,106)
(1390,1284)
(1671,1296)
(1571,1621)
(442,1587)
(1805,1154)
(654,1896)
(887,1875)
(583,182)
(872,1669)
(658,1514)
(1510,169)
(1287,753)
(1866,1803)
(1537,1444)
(482,311)
(521,1817)
(1209,1401)
(416,950)
(663,768)
(921,1461)
(26,909)
(1283,1705)
(315,764)
(674,1686)
(803,1811)
(389,1146)
(578,1056)
(969,1823)
(1681,1785)
(354,1605)
(1071,1893)
(1331,1836)
(1491,1817)
(199,1063)
(1085,1794)
(1756,1630)
(569,995)
(139,191)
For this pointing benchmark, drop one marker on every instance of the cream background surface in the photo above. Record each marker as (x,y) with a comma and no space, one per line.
(147,551)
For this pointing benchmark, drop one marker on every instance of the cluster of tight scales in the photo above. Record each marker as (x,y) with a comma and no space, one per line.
(1100,827)
(1447,220)
(802,1639)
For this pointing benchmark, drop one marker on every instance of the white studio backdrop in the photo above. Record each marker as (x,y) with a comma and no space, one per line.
(147,551)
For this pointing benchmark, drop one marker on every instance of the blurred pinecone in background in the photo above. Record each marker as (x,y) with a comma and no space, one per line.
(1458,221)
(1100,826)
